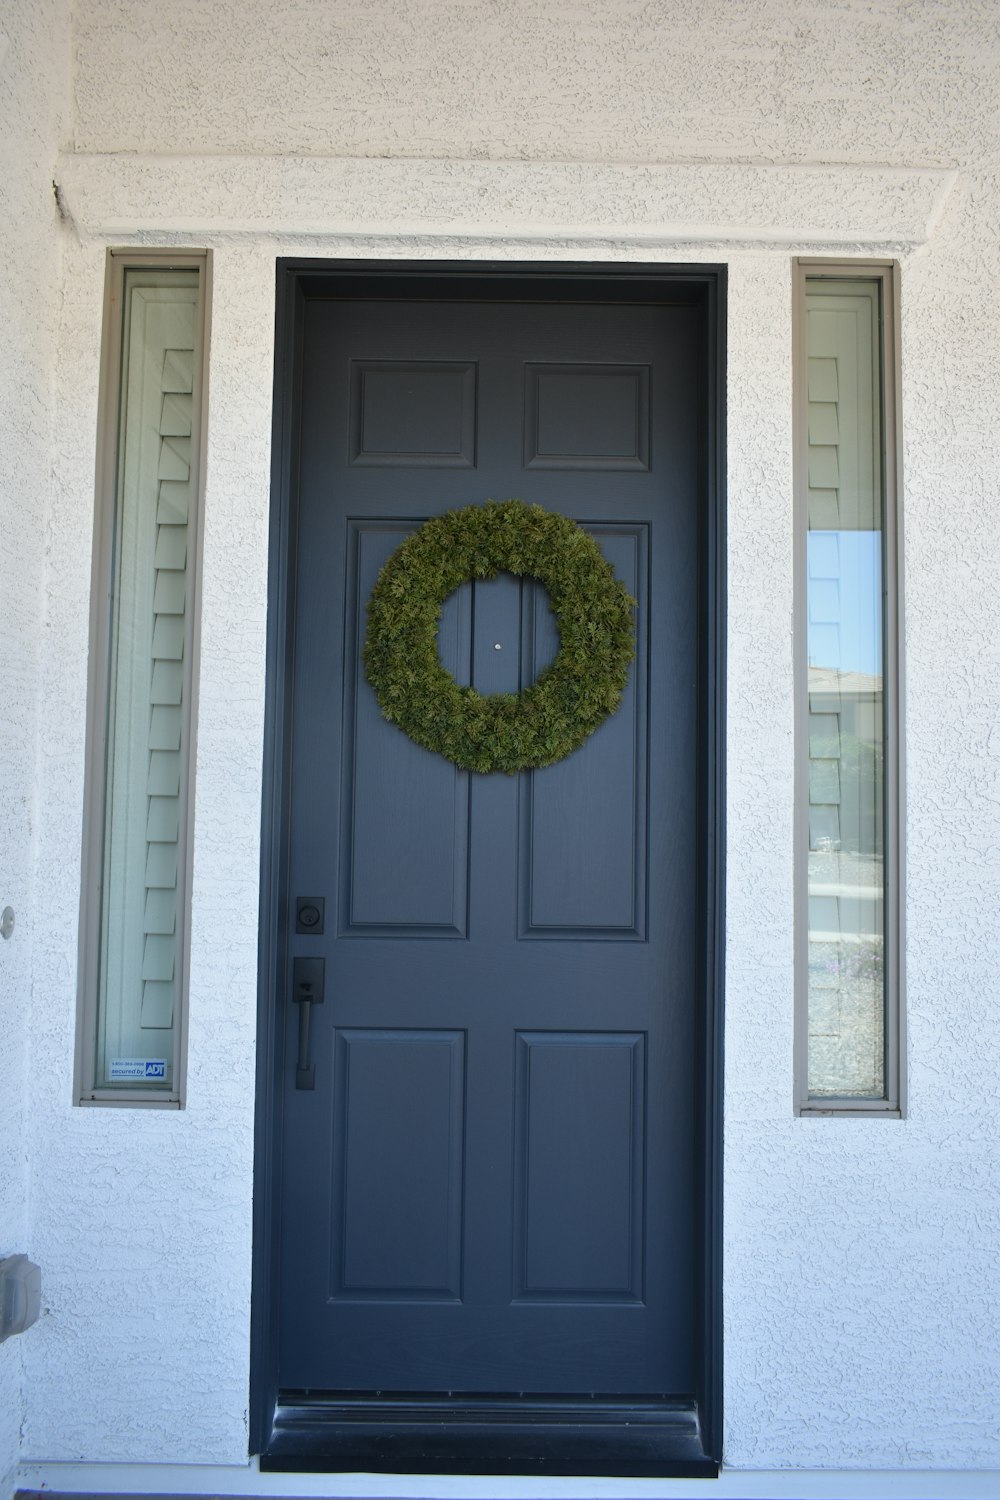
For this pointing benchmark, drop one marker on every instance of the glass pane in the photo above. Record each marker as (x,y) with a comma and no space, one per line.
(148,721)
(845,592)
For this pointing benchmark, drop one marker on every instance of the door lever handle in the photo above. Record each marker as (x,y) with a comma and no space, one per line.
(307,991)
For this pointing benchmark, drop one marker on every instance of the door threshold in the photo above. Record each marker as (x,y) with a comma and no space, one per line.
(322,1432)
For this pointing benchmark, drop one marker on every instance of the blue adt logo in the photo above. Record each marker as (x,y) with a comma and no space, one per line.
(155,1069)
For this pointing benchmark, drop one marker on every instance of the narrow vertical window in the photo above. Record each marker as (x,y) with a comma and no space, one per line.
(848,680)
(136,857)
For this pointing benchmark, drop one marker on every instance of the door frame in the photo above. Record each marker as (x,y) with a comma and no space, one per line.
(526,1439)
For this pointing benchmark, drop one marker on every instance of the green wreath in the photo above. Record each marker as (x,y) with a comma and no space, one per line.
(501,731)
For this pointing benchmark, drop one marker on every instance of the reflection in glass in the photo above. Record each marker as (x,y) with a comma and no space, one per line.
(846,592)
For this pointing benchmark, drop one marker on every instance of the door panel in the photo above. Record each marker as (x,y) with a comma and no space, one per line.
(579,1178)
(492,1187)
(404,817)
(566,892)
(399,1104)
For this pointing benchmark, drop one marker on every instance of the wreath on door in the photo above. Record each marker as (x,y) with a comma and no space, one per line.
(508,732)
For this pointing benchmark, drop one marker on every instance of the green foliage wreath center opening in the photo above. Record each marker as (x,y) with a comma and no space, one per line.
(508,732)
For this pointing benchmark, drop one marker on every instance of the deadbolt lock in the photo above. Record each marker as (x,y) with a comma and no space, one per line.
(309,914)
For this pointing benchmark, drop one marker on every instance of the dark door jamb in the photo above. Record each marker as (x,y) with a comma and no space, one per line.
(485,1443)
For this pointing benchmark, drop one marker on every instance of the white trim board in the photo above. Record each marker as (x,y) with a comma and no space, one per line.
(177,1480)
(892,209)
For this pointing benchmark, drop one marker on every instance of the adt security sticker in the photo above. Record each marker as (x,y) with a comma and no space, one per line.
(137,1069)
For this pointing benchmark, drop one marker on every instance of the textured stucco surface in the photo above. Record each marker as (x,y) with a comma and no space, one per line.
(580,80)
(33,78)
(862,1270)
(142,1218)
(889,209)
(862,1286)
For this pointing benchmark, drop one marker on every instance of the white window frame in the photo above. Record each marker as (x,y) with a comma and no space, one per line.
(86,1091)
(893,1104)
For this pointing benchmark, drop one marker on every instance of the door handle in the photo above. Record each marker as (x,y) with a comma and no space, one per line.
(307,991)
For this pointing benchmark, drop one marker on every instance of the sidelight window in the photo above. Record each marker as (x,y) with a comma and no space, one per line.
(136,854)
(848,693)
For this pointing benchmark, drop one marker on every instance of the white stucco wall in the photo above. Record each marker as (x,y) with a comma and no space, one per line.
(720,80)
(861,1280)
(33,80)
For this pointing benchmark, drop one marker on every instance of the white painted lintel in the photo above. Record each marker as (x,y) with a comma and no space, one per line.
(892,208)
(196,1480)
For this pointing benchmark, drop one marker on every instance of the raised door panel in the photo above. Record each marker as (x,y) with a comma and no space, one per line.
(399,1108)
(579,1160)
(404,813)
(586,416)
(413,414)
(582,828)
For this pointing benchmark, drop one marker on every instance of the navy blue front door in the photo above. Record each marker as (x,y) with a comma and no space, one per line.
(494,1185)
